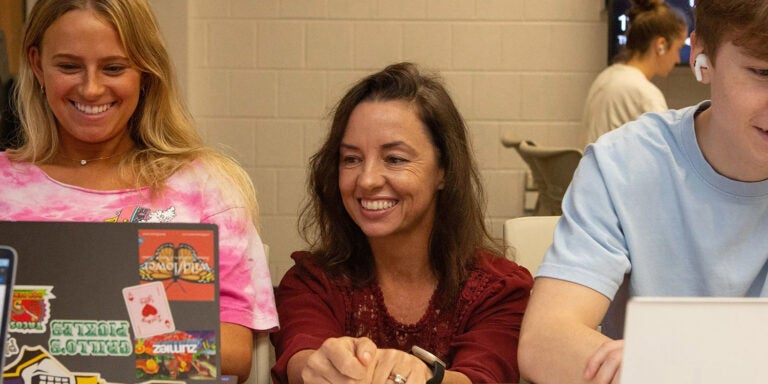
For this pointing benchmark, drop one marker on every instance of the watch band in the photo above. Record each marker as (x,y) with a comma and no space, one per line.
(437,365)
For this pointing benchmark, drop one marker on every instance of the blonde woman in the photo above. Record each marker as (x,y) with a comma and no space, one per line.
(106,137)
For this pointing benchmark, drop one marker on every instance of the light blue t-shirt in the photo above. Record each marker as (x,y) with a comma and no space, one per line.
(644,200)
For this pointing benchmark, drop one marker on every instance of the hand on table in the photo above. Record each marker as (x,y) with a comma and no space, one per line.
(340,360)
(358,360)
(396,366)
(604,367)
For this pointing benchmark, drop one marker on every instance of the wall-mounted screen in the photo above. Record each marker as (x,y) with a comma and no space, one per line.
(619,21)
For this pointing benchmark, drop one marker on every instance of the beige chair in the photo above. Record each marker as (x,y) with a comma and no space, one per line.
(263,353)
(552,169)
(263,356)
(527,239)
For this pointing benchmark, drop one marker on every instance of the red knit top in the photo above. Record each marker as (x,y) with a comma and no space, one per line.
(478,337)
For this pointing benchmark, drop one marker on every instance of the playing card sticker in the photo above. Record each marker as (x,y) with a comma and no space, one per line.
(30,309)
(183,260)
(148,309)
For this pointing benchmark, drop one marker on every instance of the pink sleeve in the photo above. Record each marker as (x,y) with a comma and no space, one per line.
(245,285)
(246,294)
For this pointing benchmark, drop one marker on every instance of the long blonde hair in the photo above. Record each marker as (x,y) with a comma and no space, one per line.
(161,127)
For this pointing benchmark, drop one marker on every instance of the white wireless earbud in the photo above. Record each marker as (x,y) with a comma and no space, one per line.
(662,50)
(700,62)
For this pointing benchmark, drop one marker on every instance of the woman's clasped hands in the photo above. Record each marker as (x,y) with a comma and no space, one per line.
(359,360)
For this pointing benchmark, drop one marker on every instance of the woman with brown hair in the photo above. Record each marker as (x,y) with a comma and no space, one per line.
(400,259)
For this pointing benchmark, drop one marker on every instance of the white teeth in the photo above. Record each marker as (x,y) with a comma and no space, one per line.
(92,109)
(377,205)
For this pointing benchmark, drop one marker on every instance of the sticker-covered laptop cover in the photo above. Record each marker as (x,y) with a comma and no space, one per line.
(106,302)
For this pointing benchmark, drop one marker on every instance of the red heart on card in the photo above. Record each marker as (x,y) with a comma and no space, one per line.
(148,310)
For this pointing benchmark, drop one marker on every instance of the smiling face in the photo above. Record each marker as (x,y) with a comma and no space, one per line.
(388,171)
(733,132)
(739,112)
(91,85)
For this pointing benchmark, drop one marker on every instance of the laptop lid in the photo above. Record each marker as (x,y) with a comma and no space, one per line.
(695,340)
(7,273)
(127,302)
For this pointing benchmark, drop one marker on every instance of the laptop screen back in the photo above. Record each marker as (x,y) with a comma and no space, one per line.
(126,302)
(695,340)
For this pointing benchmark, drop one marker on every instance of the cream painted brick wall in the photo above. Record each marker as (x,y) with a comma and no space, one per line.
(329,45)
(264,74)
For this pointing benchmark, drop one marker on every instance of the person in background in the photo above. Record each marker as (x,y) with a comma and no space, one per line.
(106,137)
(400,259)
(624,91)
(679,199)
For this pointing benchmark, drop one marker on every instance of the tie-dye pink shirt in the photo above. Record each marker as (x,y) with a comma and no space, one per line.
(192,196)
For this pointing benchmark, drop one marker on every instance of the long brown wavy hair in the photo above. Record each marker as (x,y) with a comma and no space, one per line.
(340,247)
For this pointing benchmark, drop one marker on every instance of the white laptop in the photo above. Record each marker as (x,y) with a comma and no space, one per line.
(695,340)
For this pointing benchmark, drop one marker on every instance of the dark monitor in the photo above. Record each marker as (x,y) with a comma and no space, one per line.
(618,21)
(8,259)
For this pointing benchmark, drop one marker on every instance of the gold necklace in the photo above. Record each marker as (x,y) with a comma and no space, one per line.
(83,162)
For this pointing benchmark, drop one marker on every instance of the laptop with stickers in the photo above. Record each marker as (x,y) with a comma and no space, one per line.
(106,302)
(695,340)
(7,273)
